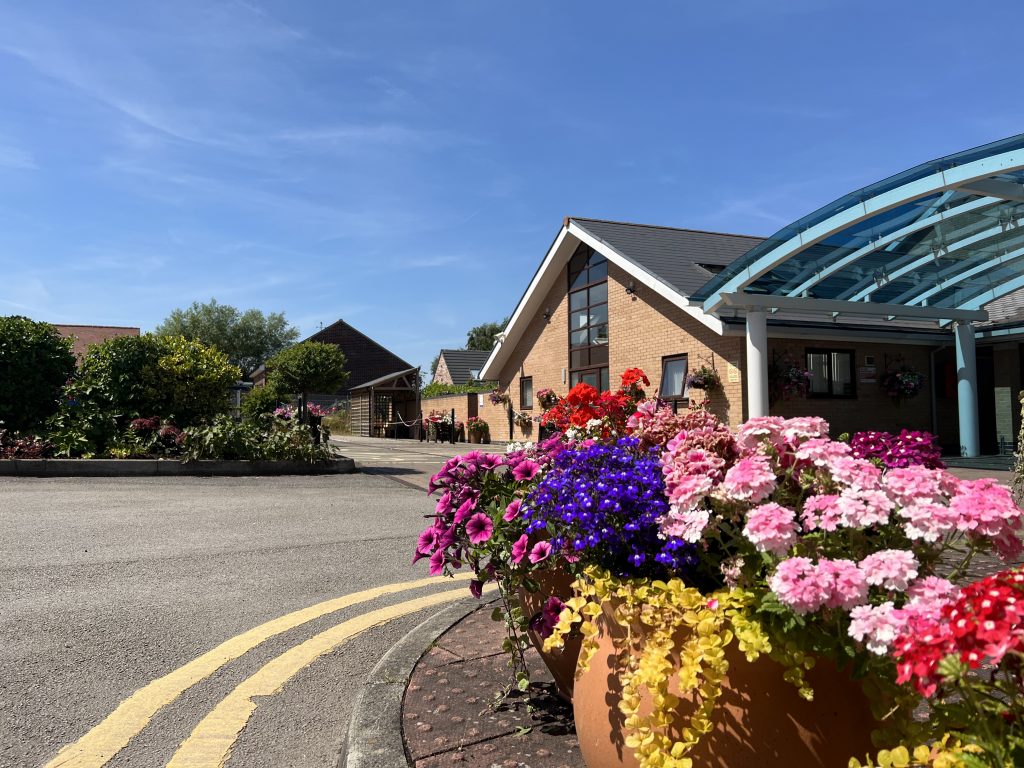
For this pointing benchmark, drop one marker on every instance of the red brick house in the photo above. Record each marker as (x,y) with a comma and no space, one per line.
(84,335)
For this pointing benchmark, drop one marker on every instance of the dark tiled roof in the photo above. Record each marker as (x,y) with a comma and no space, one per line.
(670,254)
(84,335)
(365,359)
(461,361)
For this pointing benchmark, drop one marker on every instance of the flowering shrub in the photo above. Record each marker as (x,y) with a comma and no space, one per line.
(981,626)
(286,412)
(523,420)
(477,426)
(909,448)
(14,446)
(585,412)
(319,411)
(902,384)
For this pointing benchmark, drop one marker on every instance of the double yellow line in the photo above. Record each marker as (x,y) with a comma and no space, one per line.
(211,741)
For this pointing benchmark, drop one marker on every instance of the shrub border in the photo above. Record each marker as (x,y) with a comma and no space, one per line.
(167,467)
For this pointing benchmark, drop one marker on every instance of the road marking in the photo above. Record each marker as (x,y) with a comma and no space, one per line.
(97,747)
(209,745)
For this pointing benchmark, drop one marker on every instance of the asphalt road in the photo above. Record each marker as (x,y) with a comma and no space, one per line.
(107,585)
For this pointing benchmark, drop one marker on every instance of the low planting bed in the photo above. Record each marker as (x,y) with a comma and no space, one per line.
(166,467)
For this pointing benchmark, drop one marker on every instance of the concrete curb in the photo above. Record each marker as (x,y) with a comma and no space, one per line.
(374,737)
(166,467)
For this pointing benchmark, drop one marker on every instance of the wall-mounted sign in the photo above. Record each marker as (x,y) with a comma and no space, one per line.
(867,374)
(733,373)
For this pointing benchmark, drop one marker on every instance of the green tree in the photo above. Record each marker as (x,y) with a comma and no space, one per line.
(35,362)
(482,336)
(248,338)
(311,366)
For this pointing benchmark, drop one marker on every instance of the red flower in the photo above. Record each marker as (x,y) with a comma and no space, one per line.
(632,375)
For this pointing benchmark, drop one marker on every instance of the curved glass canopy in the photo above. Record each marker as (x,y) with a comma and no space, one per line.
(945,234)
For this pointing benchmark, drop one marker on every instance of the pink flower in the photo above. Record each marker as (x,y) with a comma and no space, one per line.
(913,485)
(857,474)
(927,520)
(427,541)
(771,528)
(437,563)
(848,585)
(800,585)
(479,528)
(821,512)
(476,588)
(685,492)
(755,432)
(750,479)
(985,508)
(465,509)
(876,626)
(801,428)
(444,504)
(526,470)
(821,452)
(860,508)
(519,548)
(687,525)
(512,510)
(540,552)
(891,569)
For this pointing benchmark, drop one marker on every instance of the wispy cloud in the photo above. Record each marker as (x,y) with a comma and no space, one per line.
(15,157)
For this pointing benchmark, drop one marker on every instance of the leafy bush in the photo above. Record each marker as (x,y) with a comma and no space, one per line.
(265,438)
(35,362)
(436,388)
(261,401)
(147,438)
(166,376)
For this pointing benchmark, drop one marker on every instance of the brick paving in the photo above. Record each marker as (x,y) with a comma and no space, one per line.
(452,714)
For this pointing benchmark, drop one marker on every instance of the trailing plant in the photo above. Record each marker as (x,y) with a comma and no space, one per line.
(523,420)
(902,383)
(705,378)
(546,397)
(499,397)
(35,362)
(788,378)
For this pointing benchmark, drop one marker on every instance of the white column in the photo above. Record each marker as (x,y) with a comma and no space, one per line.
(967,389)
(757,363)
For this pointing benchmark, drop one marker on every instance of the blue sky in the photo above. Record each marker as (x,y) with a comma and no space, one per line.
(404,166)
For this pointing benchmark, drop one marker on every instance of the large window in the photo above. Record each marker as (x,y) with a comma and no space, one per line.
(831,372)
(588,318)
(526,393)
(673,378)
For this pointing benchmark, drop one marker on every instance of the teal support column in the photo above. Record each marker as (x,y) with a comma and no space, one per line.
(757,363)
(967,389)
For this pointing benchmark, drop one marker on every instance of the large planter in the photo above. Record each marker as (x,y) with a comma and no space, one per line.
(561,663)
(760,720)
(474,437)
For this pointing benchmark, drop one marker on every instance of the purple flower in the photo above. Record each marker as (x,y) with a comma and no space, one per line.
(476,588)
(519,548)
(437,563)
(464,509)
(541,551)
(512,510)
(479,528)
(427,541)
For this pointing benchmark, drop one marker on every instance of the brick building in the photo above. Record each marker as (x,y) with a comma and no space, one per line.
(459,366)
(86,335)
(610,296)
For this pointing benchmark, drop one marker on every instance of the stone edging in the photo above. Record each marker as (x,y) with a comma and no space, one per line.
(374,737)
(166,467)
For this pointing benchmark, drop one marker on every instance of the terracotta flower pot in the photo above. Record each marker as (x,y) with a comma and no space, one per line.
(760,720)
(561,663)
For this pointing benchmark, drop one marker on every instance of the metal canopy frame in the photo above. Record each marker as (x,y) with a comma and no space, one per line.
(944,236)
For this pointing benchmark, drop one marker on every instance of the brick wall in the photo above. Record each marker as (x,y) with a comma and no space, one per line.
(464,405)
(871,409)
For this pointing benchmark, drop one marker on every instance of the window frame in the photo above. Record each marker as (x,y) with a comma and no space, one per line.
(522,400)
(601,369)
(830,395)
(684,397)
